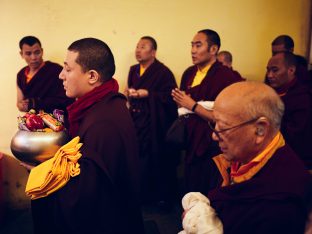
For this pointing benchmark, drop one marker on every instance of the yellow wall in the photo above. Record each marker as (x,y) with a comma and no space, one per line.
(246,28)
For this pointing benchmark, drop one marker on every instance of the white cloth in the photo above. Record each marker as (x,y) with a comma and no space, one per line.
(200,217)
(208,105)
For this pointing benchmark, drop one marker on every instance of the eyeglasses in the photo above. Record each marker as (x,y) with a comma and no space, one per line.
(217,132)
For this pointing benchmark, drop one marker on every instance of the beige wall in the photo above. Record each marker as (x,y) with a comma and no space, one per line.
(246,27)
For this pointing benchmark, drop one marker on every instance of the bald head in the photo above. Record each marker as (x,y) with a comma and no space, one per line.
(225,57)
(281,69)
(247,118)
(250,100)
(282,43)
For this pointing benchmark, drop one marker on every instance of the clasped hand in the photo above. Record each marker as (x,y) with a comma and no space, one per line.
(182,99)
(137,93)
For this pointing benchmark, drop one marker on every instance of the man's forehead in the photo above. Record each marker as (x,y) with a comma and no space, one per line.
(27,47)
(144,42)
(221,57)
(278,48)
(71,57)
(276,60)
(224,102)
(225,113)
(72,54)
(233,97)
(199,38)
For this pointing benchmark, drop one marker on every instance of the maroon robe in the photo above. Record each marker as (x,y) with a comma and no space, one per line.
(297,121)
(104,197)
(45,88)
(200,147)
(302,72)
(152,117)
(275,200)
(237,74)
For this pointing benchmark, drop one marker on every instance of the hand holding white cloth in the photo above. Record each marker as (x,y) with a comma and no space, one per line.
(208,105)
(200,217)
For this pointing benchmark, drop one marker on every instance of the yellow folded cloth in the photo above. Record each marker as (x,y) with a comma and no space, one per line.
(54,173)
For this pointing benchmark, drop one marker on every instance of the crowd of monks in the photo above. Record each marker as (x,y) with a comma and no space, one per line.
(155,101)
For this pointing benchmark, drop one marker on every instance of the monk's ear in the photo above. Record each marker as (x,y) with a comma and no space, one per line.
(94,77)
(214,49)
(154,53)
(292,70)
(262,129)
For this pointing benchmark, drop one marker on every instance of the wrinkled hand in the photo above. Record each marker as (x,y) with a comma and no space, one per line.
(137,93)
(182,99)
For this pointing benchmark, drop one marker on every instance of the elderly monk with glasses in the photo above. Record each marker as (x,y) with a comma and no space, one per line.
(262,185)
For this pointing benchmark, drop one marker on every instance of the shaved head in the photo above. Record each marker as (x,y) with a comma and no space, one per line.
(225,57)
(252,113)
(250,99)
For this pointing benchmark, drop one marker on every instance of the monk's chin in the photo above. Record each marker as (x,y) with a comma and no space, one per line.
(228,157)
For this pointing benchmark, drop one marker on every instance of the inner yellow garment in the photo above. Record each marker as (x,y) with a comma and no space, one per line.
(200,75)
(142,70)
(54,173)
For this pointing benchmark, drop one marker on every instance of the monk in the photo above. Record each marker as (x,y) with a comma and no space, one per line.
(104,197)
(38,86)
(263,185)
(201,82)
(225,57)
(284,43)
(152,109)
(297,120)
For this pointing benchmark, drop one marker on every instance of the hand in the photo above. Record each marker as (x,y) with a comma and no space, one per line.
(143,93)
(182,99)
(23,105)
(132,92)
(126,92)
(138,93)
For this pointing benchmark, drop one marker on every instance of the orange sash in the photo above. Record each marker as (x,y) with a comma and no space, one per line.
(29,77)
(240,173)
